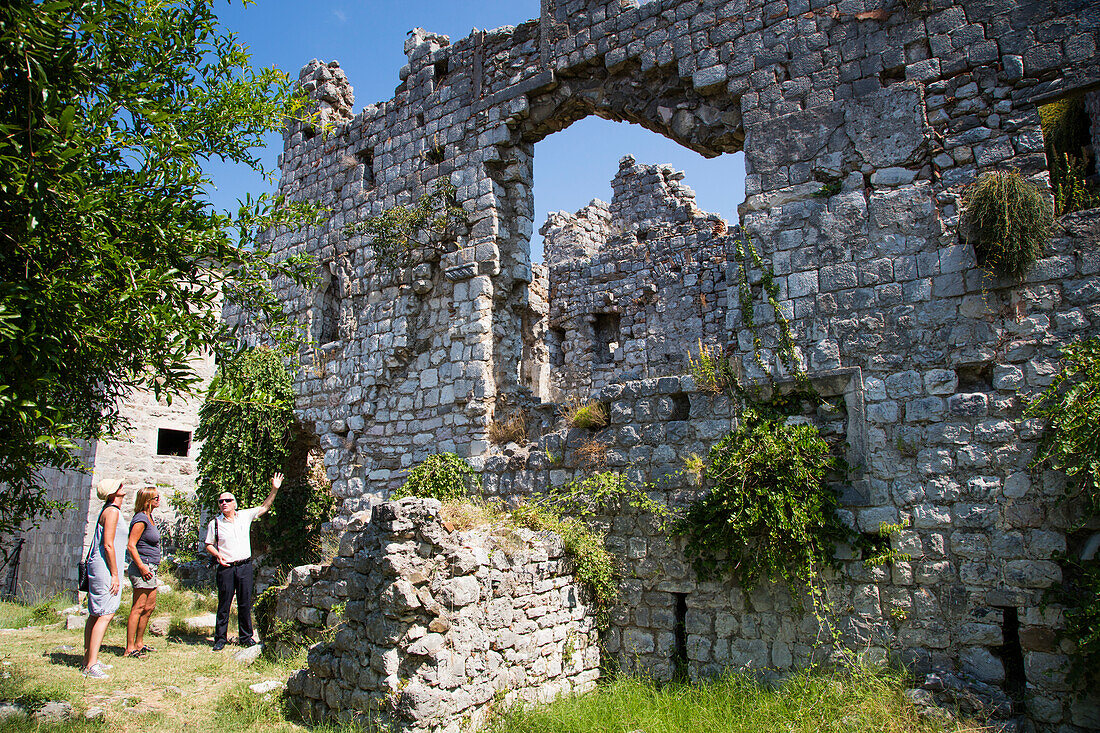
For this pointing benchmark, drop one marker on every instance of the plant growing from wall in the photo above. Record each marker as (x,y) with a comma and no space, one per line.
(748,259)
(400,232)
(442,476)
(247,424)
(1071,444)
(588,415)
(770,513)
(1009,222)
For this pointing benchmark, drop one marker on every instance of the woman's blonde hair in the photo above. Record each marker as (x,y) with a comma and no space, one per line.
(145,496)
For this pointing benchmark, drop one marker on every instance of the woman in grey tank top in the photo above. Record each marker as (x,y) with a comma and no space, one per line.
(144,549)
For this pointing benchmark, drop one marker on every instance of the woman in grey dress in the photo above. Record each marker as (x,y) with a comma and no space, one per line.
(104,586)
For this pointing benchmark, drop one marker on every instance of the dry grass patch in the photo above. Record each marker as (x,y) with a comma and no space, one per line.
(510,429)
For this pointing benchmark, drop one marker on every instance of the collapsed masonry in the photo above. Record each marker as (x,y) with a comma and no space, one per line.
(861,124)
(445,623)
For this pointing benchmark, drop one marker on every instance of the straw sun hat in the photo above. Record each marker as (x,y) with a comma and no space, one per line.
(107,488)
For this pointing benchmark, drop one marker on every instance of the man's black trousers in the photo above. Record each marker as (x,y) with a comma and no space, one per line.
(234,579)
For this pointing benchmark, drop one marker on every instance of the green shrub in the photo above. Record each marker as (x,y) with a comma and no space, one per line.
(770,512)
(593,565)
(711,369)
(442,476)
(1070,406)
(1009,222)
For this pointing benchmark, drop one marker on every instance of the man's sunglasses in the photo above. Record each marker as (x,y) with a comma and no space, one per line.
(224,501)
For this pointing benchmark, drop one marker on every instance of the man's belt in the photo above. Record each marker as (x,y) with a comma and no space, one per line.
(238,562)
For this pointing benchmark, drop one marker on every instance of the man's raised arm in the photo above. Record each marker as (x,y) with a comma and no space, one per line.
(276,482)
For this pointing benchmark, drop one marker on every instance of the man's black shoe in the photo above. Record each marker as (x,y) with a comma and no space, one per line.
(219,645)
(247,643)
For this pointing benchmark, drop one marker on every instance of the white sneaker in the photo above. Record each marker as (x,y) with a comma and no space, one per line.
(95,673)
(101,665)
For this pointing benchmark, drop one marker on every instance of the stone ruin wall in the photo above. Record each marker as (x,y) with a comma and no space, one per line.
(441,624)
(635,285)
(861,124)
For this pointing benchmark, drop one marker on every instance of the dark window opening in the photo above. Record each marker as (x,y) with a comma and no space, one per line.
(330,314)
(1012,657)
(642,235)
(680,650)
(975,377)
(366,159)
(606,337)
(555,343)
(173,442)
(308,133)
(681,406)
(440,70)
(420,118)
(1071,136)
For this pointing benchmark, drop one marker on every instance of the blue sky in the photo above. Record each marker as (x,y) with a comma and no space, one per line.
(367,38)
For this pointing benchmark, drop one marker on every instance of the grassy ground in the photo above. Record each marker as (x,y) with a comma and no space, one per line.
(184,686)
(807,702)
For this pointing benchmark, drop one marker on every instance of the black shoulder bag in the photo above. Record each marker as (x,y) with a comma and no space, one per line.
(82,566)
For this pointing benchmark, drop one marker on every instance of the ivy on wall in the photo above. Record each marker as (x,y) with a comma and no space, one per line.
(397,234)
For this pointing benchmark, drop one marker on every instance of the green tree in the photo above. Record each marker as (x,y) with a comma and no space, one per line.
(113,264)
(248,427)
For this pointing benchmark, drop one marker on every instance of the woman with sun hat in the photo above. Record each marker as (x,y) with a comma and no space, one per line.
(104,576)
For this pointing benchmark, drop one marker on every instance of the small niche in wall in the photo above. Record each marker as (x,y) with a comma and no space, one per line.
(681,406)
(977,377)
(440,69)
(436,154)
(173,442)
(606,337)
(366,159)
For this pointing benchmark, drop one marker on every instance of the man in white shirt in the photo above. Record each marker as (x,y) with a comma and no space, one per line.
(228,542)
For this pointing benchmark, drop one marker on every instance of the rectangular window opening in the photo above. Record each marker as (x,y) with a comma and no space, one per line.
(1012,657)
(173,442)
(607,337)
(1071,137)
(366,159)
(555,344)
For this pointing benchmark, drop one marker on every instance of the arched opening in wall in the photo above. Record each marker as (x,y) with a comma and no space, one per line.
(577,164)
(635,279)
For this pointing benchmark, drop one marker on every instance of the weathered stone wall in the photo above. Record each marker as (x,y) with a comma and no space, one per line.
(443,623)
(861,123)
(47,563)
(637,285)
